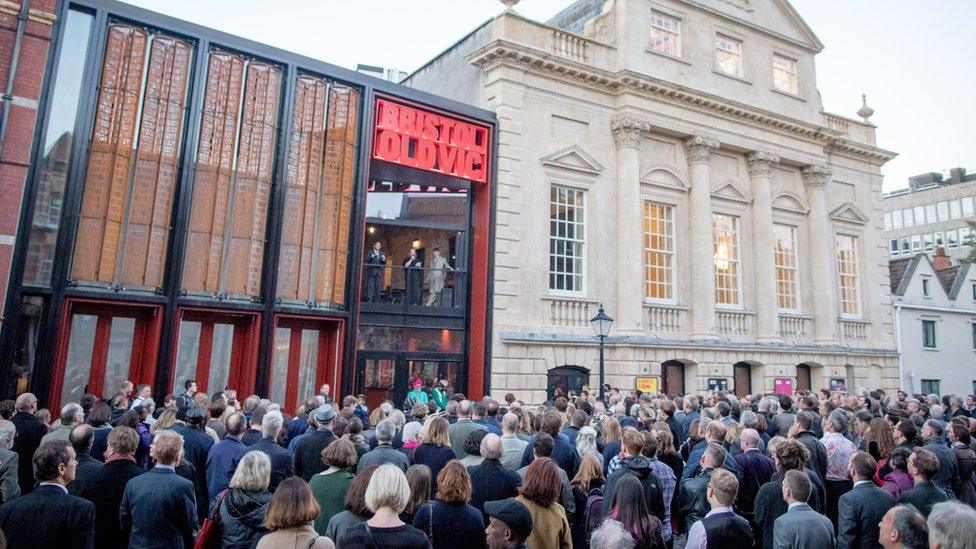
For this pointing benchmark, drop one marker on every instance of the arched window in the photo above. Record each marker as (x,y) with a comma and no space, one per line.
(566,378)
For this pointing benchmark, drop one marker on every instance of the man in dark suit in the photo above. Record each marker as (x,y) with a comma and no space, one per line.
(932,432)
(223,457)
(282,466)
(801,527)
(861,510)
(158,507)
(414,274)
(375,265)
(49,516)
(308,451)
(81,439)
(107,485)
(196,447)
(185,401)
(693,502)
(756,469)
(806,435)
(491,481)
(253,433)
(30,431)
(721,526)
(923,466)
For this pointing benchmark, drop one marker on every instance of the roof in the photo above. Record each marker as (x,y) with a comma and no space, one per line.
(901,271)
(947,277)
(953,278)
(573,18)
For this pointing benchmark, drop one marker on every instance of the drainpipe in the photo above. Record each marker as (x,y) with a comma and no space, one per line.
(901,380)
(8,92)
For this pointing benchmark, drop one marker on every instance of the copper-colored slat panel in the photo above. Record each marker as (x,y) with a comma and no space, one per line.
(113,134)
(215,163)
(347,117)
(160,141)
(259,127)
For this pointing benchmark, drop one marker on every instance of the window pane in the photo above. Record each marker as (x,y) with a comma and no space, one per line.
(235,162)
(318,193)
(665,34)
(123,230)
(943,209)
(725,256)
(566,216)
(909,218)
(220,357)
(919,215)
(784,74)
(279,365)
(955,209)
(887,221)
(728,53)
(967,206)
(847,273)
(784,253)
(77,369)
(930,216)
(186,354)
(896,218)
(308,365)
(119,353)
(53,166)
(658,251)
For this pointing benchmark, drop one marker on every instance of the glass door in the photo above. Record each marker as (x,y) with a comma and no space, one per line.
(217,349)
(306,354)
(431,372)
(378,377)
(101,346)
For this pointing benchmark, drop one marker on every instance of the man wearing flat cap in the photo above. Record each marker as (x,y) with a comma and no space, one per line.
(509,524)
(308,451)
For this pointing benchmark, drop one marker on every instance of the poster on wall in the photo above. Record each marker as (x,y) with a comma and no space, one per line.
(647,384)
(718,384)
(783,386)
(838,384)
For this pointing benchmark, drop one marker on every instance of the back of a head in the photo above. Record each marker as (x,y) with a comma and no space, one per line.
(543,445)
(791,455)
(123,440)
(805,421)
(253,473)
(611,535)
(472,444)
(464,408)
(271,424)
(631,441)
(510,422)
(491,447)
(864,465)
(236,424)
(81,438)
(714,455)
(926,463)
(725,486)
(542,483)
(479,410)
(385,430)
(952,525)
(8,431)
(552,423)
(48,459)
(913,531)
(799,484)
(716,431)
(388,488)
(25,401)
(292,505)
(168,444)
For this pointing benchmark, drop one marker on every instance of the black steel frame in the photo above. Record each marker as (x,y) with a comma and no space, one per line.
(204,39)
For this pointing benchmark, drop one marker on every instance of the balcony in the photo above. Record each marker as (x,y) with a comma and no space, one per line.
(664,319)
(570,312)
(793,326)
(569,46)
(734,323)
(853,331)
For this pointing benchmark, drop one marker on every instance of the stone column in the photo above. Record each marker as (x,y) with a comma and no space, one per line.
(627,134)
(822,275)
(763,264)
(699,149)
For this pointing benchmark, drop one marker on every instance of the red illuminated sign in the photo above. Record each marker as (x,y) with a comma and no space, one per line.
(428,141)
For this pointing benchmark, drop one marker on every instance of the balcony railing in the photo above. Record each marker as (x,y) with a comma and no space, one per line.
(733,323)
(397,289)
(569,312)
(853,330)
(664,319)
(794,326)
(569,45)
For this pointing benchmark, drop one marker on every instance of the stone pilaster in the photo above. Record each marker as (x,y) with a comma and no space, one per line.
(699,149)
(627,134)
(822,269)
(764,269)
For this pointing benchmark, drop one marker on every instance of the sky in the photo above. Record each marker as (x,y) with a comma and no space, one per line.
(915,65)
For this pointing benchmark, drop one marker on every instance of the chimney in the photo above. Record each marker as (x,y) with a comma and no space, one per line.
(941,260)
(957,175)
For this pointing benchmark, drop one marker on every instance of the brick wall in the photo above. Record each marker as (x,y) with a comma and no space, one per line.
(15,151)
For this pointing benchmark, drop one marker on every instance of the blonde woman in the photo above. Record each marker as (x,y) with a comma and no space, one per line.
(434,449)
(586,444)
(243,506)
(387,496)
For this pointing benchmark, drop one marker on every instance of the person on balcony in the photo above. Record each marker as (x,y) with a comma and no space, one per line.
(413,275)
(375,265)
(435,278)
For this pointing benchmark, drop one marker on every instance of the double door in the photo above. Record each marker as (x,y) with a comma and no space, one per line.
(388,376)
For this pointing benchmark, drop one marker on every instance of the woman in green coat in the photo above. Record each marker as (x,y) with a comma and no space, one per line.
(330,486)
(440,395)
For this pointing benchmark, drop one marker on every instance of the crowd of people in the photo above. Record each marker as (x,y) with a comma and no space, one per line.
(807,470)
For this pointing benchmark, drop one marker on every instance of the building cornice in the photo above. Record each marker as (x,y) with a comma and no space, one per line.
(503,52)
(536,338)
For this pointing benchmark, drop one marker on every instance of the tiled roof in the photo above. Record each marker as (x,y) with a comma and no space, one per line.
(898,269)
(947,276)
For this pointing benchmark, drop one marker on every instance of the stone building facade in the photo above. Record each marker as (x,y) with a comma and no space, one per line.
(933,211)
(671,160)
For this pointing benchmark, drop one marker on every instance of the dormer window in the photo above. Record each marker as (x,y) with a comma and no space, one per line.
(784,74)
(665,34)
(728,54)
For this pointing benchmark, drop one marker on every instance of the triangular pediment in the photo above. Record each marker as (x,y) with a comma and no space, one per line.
(774,16)
(664,175)
(849,213)
(730,189)
(791,202)
(573,158)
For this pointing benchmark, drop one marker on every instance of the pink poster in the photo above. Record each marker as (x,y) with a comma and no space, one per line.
(783,386)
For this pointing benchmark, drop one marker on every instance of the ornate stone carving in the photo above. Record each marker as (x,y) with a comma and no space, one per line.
(741,4)
(602,27)
(816,175)
(761,163)
(699,148)
(627,131)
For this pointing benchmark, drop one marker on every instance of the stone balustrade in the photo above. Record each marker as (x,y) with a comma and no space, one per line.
(792,326)
(734,323)
(569,312)
(569,46)
(664,319)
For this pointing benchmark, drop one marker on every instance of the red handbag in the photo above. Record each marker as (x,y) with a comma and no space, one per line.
(208,537)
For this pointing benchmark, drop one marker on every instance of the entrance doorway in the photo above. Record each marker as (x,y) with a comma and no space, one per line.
(803,377)
(216,348)
(742,383)
(307,353)
(101,346)
(387,376)
(673,378)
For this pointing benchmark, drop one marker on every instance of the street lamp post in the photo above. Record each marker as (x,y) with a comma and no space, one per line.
(601,326)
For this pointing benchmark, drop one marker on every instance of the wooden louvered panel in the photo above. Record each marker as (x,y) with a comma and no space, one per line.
(109,162)
(160,142)
(255,166)
(345,124)
(214,171)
